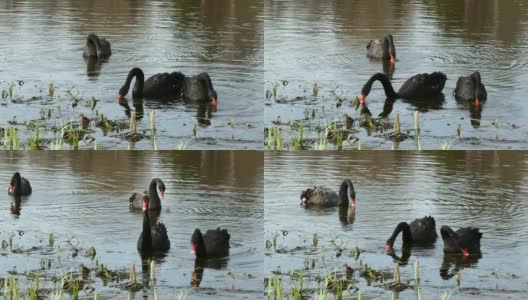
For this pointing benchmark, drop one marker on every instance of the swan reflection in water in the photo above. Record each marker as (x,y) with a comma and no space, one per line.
(452,264)
(16,205)
(93,66)
(201,264)
(204,111)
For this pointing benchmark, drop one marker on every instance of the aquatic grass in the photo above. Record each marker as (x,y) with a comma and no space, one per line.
(183,295)
(275,141)
(315,89)
(33,142)
(183,144)
(297,142)
(11,139)
(51,89)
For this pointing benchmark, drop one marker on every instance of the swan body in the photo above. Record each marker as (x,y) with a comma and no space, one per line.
(383,49)
(153,237)
(419,231)
(199,88)
(321,196)
(214,243)
(157,86)
(97,47)
(464,241)
(417,87)
(19,186)
(470,88)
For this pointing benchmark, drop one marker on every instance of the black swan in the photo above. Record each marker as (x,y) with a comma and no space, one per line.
(200,88)
(136,200)
(470,88)
(384,49)
(415,88)
(321,196)
(464,241)
(214,243)
(97,47)
(157,86)
(152,238)
(19,186)
(420,231)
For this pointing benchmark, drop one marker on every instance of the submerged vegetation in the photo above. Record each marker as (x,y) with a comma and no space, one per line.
(355,128)
(62,117)
(56,277)
(318,279)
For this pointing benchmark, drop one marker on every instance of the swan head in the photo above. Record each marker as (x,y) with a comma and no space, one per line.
(197,243)
(213,96)
(305,196)
(363,98)
(16,177)
(145,203)
(162,191)
(392,49)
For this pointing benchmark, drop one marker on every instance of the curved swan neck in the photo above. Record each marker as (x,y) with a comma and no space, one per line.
(402,227)
(154,200)
(392,48)
(387,85)
(94,40)
(347,195)
(17,182)
(447,232)
(386,46)
(198,243)
(147,237)
(476,78)
(138,86)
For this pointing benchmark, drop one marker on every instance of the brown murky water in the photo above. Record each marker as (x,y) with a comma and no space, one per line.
(43,42)
(323,42)
(83,198)
(481,189)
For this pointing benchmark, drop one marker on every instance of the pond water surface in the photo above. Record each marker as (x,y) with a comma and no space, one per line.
(43,42)
(323,42)
(460,189)
(83,198)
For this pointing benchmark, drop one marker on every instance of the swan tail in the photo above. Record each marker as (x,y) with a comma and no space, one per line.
(475,231)
(160,230)
(224,232)
(438,80)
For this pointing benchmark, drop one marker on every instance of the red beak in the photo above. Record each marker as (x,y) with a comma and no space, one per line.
(353,202)
(388,248)
(11,188)
(363,99)
(393,59)
(193,248)
(214,103)
(477,102)
(465,252)
(162,193)
(120,97)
